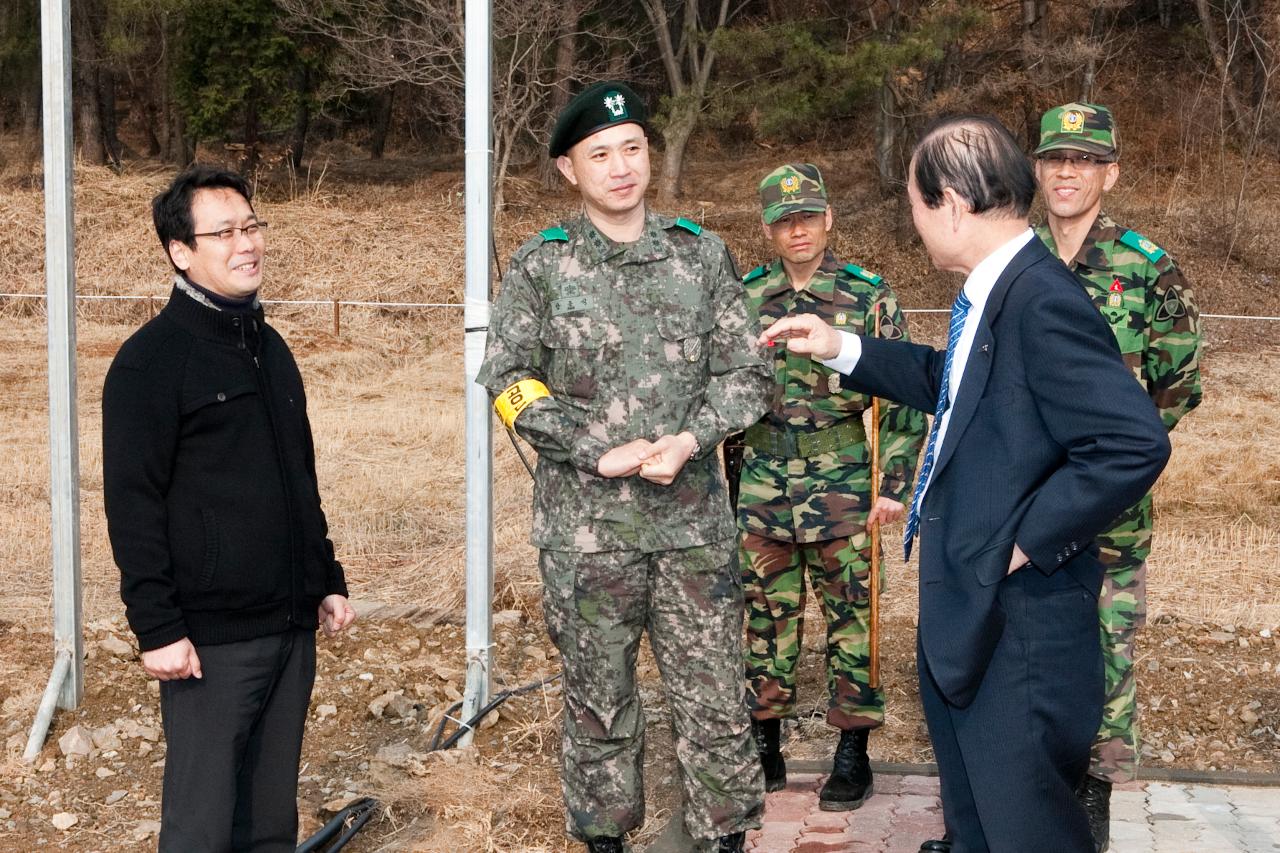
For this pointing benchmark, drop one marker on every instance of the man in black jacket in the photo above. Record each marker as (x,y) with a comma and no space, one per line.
(213,510)
(1040,439)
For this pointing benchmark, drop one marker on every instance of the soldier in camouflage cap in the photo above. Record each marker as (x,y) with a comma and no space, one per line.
(805,498)
(1152,311)
(622,348)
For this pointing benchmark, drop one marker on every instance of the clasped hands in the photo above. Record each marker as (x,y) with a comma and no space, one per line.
(656,461)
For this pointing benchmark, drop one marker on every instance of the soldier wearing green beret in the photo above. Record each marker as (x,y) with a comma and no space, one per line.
(1152,311)
(805,500)
(622,348)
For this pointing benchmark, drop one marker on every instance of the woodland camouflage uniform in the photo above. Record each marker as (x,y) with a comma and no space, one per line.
(805,492)
(634,341)
(1153,313)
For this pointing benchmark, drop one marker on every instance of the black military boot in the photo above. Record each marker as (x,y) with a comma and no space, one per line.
(606,844)
(1095,795)
(731,843)
(767,734)
(849,784)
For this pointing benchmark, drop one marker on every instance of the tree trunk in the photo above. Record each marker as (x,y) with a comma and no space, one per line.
(301,118)
(1229,94)
(252,131)
(182,151)
(382,123)
(112,148)
(888,129)
(676,138)
(1033,28)
(1261,50)
(566,58)
(1099,25)
(85,68)
(91,148)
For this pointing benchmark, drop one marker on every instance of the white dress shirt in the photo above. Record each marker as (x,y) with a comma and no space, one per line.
(977,287)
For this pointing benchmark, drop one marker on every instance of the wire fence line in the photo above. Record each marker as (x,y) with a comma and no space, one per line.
(358,303)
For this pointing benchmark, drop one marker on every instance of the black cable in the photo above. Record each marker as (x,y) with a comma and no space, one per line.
(470,724)
(511,434)
(341,828)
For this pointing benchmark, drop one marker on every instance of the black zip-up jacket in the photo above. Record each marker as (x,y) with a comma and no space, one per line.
(209,480)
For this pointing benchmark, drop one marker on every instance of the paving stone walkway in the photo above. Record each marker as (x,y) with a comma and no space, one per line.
(1146,817)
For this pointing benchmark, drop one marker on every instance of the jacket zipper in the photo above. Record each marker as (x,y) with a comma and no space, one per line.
(264,390)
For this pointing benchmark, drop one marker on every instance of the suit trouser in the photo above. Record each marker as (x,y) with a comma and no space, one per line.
(690,602)
(234,739)
(1010,761)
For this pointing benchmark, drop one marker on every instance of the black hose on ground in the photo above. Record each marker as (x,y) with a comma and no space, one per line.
(342,828)
(470,724)
(346,823)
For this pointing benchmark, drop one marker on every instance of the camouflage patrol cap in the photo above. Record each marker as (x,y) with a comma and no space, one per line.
(593,109)
(1081,127)
(792,188)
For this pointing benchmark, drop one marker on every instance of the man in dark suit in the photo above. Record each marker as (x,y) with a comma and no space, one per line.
(1040,439)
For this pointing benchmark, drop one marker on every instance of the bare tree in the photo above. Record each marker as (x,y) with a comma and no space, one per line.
(420,44)
(1222,62)
(685,35)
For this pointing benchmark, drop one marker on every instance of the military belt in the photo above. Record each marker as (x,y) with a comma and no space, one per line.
(790,444)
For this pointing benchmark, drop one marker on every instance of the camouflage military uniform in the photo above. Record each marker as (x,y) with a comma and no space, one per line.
(1152,311)
(634,341)
(805,506)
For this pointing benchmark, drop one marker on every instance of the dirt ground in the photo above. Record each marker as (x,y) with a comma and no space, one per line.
(1210,700)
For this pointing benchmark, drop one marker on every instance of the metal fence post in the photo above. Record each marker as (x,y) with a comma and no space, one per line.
(479,451)
(67,679)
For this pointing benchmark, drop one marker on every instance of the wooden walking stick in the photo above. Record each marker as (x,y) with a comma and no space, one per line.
(873,530)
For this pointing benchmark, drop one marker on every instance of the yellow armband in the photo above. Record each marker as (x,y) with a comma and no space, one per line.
(511,402)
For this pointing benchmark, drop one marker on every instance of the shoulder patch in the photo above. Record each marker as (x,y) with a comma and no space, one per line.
(754,274)
(554,235)
(692,227)
(858,272)
(1149,250)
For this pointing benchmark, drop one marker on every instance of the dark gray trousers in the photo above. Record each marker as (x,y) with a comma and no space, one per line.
(234,742)
(1009,762)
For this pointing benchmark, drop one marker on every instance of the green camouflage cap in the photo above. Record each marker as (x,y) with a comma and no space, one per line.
(1082,127)
(792,188)
(593,109)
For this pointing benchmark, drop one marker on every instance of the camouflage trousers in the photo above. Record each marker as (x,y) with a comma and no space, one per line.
(773,573)
(1122,610)
(690,602)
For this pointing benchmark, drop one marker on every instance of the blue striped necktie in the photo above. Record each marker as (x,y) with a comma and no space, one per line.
(959,311)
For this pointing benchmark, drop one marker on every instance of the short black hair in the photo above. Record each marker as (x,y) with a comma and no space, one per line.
(171,209)
(979,159)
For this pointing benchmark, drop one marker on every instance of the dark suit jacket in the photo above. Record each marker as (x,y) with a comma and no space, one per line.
(1049,440)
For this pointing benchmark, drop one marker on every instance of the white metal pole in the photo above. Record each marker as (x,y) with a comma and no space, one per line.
(479,447)
(64,455)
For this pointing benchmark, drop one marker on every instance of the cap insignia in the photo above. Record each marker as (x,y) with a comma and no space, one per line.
(616,104)
(1073,121)
(790,184)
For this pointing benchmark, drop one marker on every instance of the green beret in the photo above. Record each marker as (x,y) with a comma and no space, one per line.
(594,108)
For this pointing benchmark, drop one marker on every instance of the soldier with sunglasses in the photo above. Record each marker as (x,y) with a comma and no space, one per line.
(1152,311)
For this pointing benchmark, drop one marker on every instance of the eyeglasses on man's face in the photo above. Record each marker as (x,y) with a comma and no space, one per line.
(1079,159)
(253,230)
